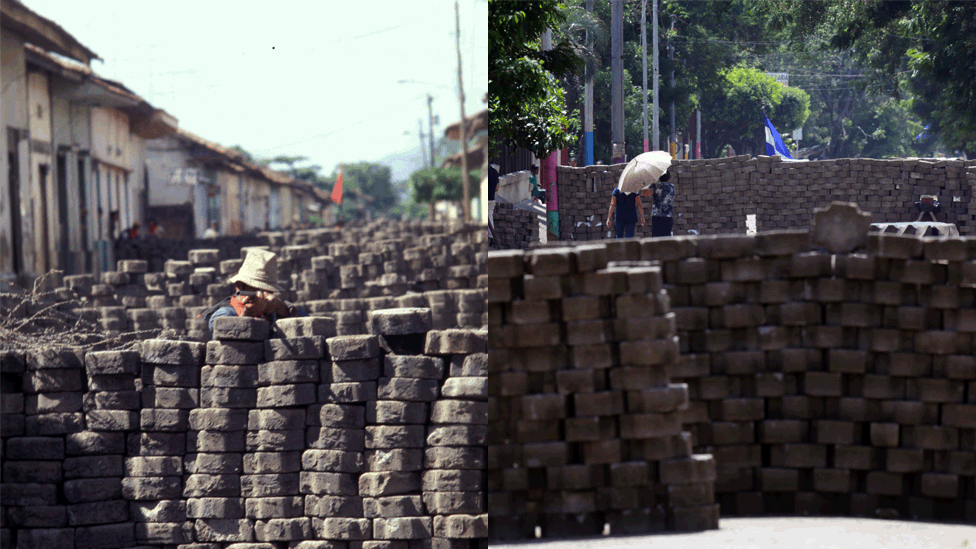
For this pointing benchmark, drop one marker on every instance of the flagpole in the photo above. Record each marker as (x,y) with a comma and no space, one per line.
(762,110)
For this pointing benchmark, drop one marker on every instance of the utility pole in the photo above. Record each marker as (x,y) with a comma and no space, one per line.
(617,151)
(430,114)
(655,133)
(464,137)
(644,65)
(588,96)
(420,133)
(698,134)
(672,144)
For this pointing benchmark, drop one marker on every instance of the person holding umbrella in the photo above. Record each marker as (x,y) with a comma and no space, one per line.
(629,212)
(641,172)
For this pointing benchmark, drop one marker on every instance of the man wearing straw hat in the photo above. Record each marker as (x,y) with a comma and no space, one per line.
(256,289)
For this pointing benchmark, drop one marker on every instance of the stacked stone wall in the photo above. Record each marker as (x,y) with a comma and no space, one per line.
(344,274)
(157,251)
(714,196)
(309,440)
(586,429)
(822,384)
(514,228)
(829,383)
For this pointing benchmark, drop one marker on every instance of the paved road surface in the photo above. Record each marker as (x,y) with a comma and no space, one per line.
(787,533)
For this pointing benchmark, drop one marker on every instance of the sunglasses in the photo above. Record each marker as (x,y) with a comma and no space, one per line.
(246,293)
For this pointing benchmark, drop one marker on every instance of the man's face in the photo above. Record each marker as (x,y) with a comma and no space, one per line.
(253,305)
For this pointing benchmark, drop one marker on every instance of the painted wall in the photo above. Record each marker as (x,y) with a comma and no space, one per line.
(70,196)
(14,73)
(81,126)
(13,114)
(110,136)
(42,193)
(258,205)
(166,159)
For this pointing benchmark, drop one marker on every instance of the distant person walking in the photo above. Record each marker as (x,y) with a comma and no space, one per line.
(662,208)
(629,211)
(155,229)
(211,231)
(134,232)
(537,193)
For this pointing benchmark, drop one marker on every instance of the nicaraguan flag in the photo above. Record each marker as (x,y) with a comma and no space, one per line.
(774,143)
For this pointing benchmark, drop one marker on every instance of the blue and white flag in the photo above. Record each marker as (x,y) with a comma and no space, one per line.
(921,135)
(774,143)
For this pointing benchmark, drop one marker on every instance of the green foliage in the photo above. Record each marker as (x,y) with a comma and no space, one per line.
(432,184)
(243,152)
(365,186)
(736,117)
(525,101)
(702,57)
(291,167)
(409,209)
(865,75)
(913,49)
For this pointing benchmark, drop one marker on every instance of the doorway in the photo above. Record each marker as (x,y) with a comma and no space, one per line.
(42,172)
(16,234)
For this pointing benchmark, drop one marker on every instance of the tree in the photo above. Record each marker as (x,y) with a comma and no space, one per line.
(433,184)
(736,116)
(366,186)
(525,102)
(305,173)
(244,153)
(704,50)
(917,48)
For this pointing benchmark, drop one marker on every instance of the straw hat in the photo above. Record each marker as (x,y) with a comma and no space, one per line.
(259,270)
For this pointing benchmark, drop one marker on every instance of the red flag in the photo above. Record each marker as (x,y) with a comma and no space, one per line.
(337,190)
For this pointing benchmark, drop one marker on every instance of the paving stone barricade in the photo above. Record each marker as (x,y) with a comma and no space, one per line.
(514,228)
(310,440)
(157,251)
(823,383)
(343,273)
(715,195)
(586,431)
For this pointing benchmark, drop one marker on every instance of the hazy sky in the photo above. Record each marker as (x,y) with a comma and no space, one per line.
(316,78)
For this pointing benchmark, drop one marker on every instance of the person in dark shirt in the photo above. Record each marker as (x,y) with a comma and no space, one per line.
(662,209)
(629,213)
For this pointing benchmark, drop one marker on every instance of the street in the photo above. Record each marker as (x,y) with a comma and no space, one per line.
(791,532)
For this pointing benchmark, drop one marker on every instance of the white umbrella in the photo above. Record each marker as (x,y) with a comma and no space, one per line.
(643,170)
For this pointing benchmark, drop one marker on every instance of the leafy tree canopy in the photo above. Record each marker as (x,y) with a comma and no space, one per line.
(867,67)
(737,113)
(916,48)
(366,185)
(525,101)
(432,184)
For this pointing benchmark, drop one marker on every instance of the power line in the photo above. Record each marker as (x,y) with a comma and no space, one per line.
(780,42)
(329,134)
(387,29)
